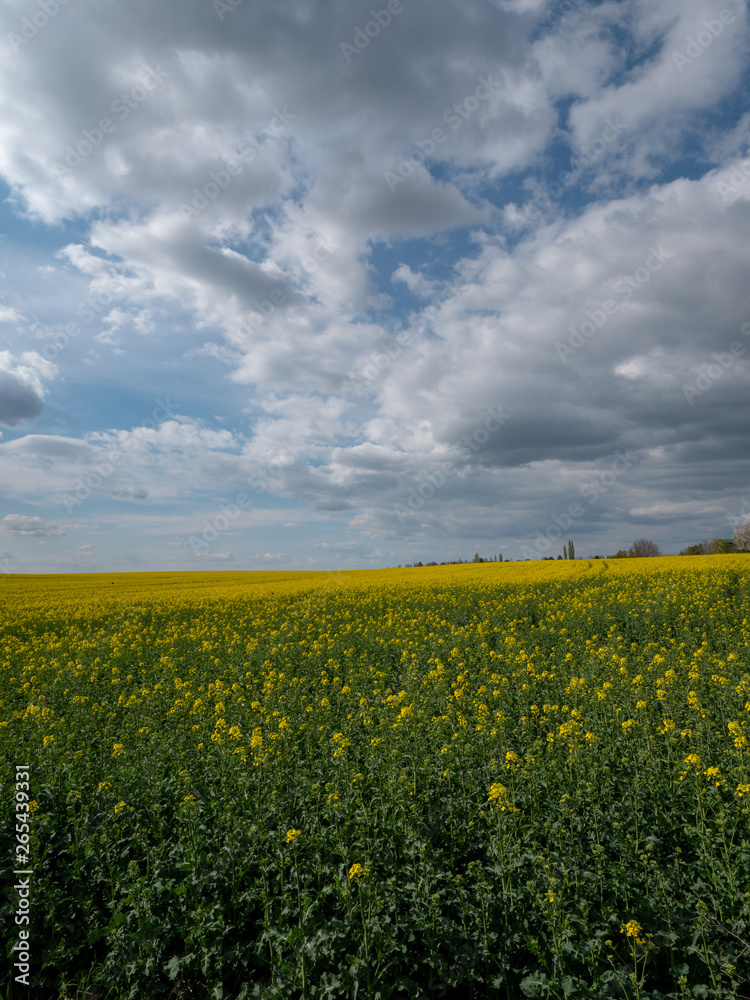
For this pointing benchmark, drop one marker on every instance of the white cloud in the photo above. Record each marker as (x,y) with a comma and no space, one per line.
(10,315)
(21,524)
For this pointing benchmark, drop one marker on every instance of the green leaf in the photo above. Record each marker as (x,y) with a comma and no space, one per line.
(173,966)
(530,986)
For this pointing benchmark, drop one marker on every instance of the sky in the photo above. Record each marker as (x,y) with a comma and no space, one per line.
(335,285)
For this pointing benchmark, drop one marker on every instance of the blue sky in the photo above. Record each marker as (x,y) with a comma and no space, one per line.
(296,285)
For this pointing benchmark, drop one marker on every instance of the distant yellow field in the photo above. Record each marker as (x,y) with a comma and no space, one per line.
(77,586)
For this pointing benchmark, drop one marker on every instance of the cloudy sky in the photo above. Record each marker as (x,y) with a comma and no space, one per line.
(303,284)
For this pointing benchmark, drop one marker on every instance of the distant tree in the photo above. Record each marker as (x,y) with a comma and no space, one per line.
(691,550)
(571,550)
(645,548)
(565,552)
(476,557)
(741,537)
(721,546)
(499,557)
(717,546)
(559,557)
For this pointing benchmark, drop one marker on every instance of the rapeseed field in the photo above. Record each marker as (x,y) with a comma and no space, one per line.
(496,780)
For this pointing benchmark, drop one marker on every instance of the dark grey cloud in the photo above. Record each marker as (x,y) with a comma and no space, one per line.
(19,400)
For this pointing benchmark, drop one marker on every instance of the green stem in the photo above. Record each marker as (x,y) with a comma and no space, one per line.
(302,933)
(367,943)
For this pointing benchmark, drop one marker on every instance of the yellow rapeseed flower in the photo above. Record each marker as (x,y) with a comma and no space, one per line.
(498,797)
(632,929)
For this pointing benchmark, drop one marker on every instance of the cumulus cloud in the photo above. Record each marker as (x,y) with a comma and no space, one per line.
(21,387)
(10,315)
(21,524)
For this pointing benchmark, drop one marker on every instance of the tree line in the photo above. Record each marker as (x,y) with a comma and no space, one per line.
(642,548)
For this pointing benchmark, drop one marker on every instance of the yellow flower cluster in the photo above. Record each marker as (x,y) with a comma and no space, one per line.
(632,929)
(498,797)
